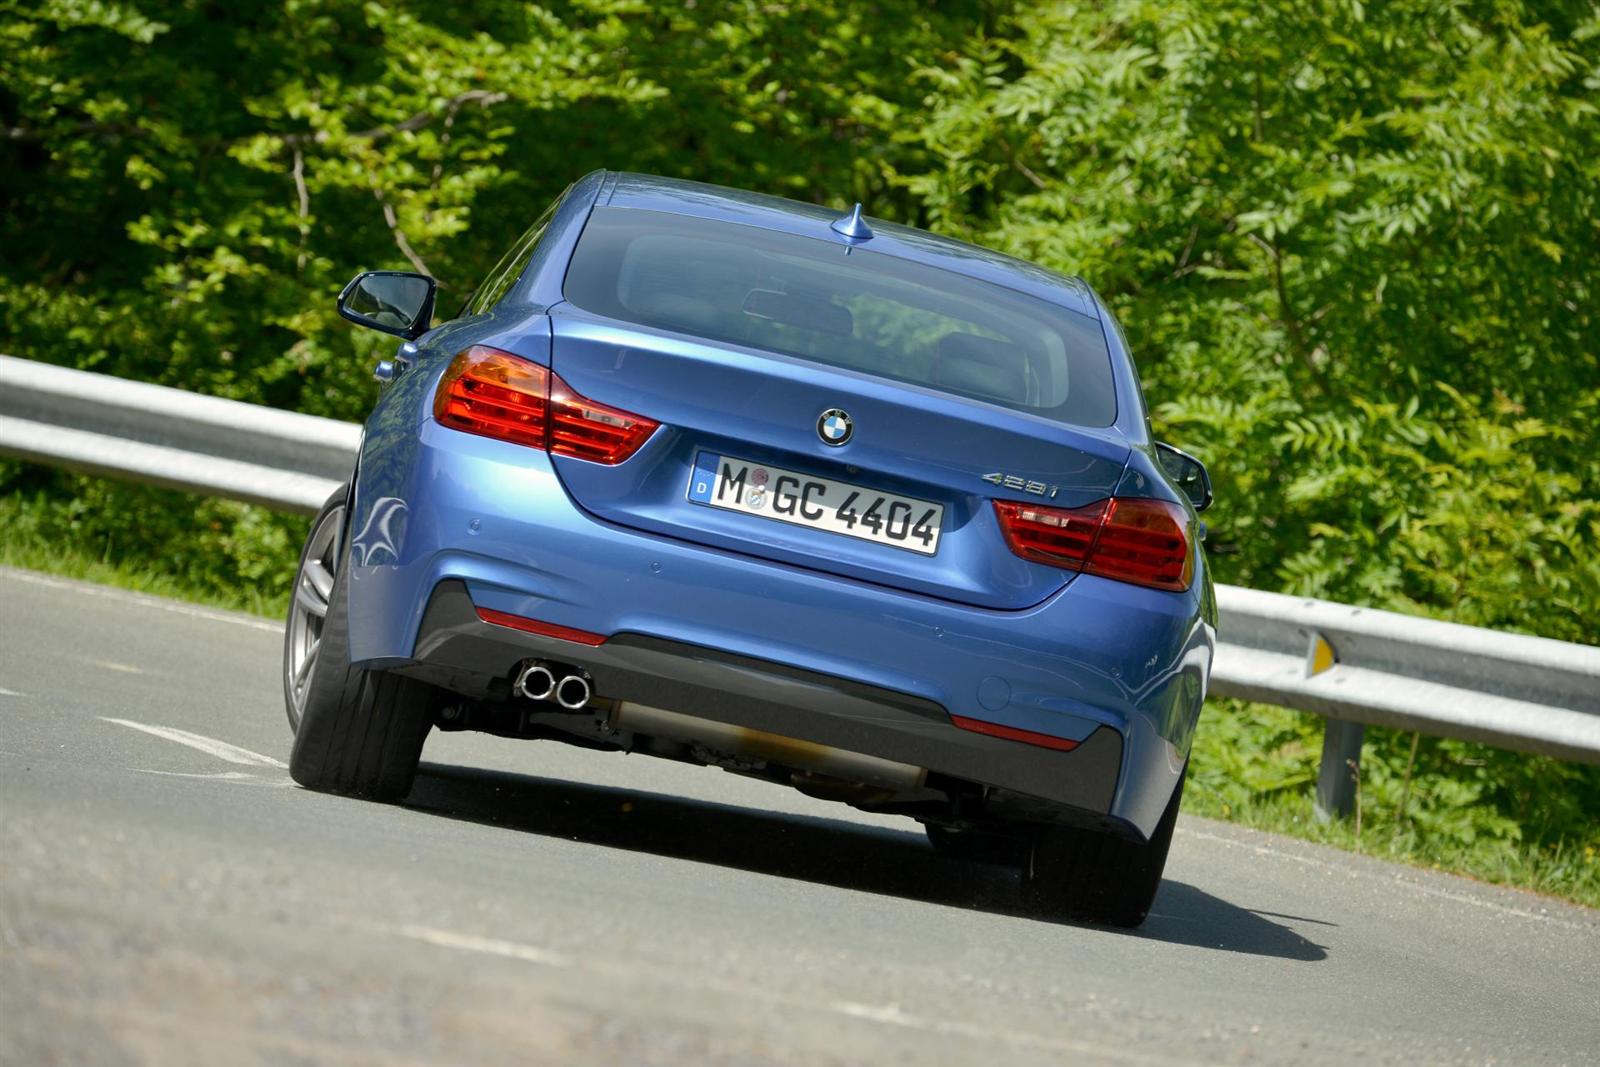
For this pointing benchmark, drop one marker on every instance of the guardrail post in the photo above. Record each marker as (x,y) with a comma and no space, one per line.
(1341,762)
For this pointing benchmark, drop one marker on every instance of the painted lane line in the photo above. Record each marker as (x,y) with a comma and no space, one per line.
(4,692)
(1260,850)
(233,777)
(121,668)
(888,1014)
(209,745)
(1463,898)
(488,945)
(141,599)
(1398,878)
(220,776)
(892,1015)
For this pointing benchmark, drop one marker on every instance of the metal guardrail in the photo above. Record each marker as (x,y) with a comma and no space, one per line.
(1359,666)
(1352,665)
(160,436)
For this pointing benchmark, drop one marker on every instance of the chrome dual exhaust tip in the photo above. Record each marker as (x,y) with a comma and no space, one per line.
(539,681)
(573,692)
(536,682)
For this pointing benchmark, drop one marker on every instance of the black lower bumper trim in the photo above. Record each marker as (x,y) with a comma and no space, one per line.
(459,651)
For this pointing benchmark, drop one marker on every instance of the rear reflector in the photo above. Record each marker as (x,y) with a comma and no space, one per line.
(495,394)
(1011,733)
(543,629)
(1131,539)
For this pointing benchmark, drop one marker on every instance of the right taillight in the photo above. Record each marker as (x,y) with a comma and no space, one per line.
(493,393)
(1146,542)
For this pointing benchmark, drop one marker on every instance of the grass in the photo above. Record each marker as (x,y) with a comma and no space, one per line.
(1569,870)
(67,561)
(215,552)
(1452,806)
(1459,807)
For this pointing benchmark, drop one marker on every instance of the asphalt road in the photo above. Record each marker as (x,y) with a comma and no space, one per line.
(168,896)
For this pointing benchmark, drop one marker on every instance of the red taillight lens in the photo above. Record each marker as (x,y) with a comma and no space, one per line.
(493,393)
(1145,542)
(1061,537)
(582,428)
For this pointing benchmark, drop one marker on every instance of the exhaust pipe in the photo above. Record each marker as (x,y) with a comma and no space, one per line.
(573,692)
(788,751)
(536,682)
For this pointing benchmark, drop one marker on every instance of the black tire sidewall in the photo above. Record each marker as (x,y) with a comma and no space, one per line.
(363,731)
(1097,876)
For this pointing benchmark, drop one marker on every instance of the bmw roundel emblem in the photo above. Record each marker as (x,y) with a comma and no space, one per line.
(834,427)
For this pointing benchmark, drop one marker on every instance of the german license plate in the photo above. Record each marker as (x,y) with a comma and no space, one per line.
(821,503)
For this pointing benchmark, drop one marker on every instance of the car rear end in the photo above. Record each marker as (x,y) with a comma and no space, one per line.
(878,518)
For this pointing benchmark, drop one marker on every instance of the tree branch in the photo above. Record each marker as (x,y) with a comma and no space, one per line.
(34,134)
(305,206)
(421,120)
(1183,260)
(399,234)
(1291,321)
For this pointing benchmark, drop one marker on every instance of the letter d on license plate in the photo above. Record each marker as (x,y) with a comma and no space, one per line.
(821,503)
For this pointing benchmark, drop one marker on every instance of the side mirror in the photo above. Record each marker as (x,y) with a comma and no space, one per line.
(392,301)
(1189,474)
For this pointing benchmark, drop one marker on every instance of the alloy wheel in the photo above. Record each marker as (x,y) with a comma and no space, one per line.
(313,585)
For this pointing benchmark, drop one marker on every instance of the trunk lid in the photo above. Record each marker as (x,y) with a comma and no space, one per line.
(909,443)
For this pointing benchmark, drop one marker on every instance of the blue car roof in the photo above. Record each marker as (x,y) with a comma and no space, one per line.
(811,220)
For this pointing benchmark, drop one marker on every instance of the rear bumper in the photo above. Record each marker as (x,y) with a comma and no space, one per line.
(1098,663)
(457,649)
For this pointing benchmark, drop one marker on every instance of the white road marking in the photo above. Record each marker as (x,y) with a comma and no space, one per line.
(120,667)
(1463,898)
(891,1015)
(487,945)
(4,692)
(220,776)
(1398,878)
(236,777)
(1260,850)
(887,1013)
(209,745)
(142,599)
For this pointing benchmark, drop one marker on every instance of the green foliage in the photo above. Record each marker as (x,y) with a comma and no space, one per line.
(1356,249)
(1357,252)
(217,552)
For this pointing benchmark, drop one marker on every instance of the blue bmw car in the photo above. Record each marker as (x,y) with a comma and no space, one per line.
(733,480)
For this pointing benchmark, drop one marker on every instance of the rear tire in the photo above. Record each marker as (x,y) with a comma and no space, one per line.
(360,732)
(1096,876)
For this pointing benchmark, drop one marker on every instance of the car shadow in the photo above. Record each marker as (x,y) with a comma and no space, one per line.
(825,851)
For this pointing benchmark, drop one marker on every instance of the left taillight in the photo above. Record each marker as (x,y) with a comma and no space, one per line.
(493,393)
(1131,539)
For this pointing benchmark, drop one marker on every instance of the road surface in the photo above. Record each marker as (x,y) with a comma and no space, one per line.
(168,896)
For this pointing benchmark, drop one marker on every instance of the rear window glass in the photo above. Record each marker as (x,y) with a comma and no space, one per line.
(846,307)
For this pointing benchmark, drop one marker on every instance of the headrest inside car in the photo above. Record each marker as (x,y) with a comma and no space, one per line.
(979,366)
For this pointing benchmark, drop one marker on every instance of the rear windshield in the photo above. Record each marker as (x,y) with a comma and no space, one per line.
(846,307)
